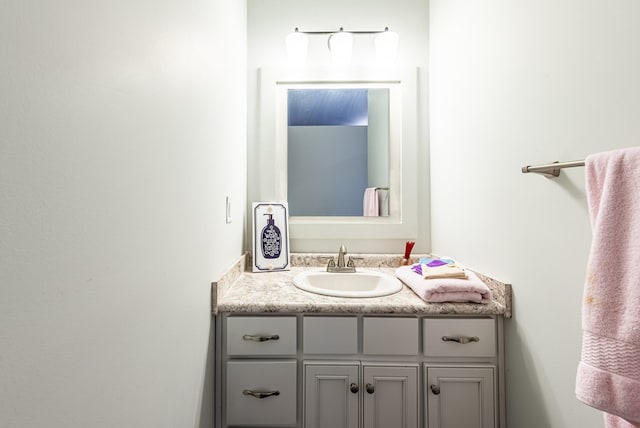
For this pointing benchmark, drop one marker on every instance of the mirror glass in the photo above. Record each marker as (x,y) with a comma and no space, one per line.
(338,151)
(338,145)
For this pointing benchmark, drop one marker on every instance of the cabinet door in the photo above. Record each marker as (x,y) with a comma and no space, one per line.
(390,396)
(460,397)
(331,396)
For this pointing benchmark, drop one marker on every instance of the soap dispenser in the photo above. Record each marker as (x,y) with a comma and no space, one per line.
(271,239)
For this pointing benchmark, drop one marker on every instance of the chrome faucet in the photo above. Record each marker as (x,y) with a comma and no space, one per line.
(341,267)
(341,254)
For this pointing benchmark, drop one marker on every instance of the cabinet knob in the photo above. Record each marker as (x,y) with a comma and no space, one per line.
(259,338)
(370,388)
(354,388)
(461,339)
(435,389)
(260,394)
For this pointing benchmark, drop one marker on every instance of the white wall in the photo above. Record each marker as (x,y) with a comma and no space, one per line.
(512,84)
(269,22)
(122,129)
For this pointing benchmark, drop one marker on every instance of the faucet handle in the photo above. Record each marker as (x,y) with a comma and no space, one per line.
(332,262)
(328,259)
(351,263)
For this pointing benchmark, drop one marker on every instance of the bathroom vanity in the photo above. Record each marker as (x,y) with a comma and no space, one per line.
(289,358)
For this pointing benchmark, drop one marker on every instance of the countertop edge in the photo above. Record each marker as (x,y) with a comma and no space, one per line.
(229,277)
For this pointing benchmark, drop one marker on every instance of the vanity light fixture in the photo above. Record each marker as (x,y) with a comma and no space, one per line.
(340,44)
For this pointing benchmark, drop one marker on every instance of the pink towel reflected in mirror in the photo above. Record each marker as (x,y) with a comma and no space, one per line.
(370,203)
(376,202)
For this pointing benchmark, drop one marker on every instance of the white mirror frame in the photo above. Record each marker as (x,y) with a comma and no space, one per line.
(402,222)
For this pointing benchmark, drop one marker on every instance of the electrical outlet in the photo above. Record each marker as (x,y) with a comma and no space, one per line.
(228,211)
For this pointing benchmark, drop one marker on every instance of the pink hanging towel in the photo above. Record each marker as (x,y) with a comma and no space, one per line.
(608,375)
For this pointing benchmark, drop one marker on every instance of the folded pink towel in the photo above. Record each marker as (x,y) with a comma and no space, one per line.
(445,289)
(608,376)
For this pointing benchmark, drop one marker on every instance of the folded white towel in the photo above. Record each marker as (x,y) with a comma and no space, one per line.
(451,270)
(446,289)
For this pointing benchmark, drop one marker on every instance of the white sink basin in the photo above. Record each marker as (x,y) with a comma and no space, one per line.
(362,283)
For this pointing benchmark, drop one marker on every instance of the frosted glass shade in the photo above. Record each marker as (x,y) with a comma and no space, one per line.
(341,47)
(386,47)
(297,46)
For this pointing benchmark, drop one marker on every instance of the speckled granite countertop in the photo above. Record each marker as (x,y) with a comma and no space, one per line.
(240,291)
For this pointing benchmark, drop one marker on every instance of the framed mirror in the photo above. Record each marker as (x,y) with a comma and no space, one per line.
(326,140)
(338,149)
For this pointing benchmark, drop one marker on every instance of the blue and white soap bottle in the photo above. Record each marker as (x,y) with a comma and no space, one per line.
(271,239)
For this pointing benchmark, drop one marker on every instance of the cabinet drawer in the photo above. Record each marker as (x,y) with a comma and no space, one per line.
(390,336)
(330,335)
(261,336)
(261,392)
(457,337)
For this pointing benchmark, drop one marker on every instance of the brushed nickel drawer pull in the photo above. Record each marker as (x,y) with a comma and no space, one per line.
(259,338)
(260,394)
(461,339)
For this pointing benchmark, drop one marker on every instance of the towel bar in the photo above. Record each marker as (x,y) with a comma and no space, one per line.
(551,170)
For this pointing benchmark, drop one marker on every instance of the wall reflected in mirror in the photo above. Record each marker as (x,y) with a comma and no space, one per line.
(338,143)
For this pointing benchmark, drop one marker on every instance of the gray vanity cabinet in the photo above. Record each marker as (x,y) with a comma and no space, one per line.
(360,371)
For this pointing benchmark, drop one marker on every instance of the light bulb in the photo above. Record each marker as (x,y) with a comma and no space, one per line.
(386,47)
(341,47)
(297,46)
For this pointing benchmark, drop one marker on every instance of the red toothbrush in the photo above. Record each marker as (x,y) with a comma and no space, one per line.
(407,252)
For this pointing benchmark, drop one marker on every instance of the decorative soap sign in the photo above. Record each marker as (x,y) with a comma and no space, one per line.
(270,236)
